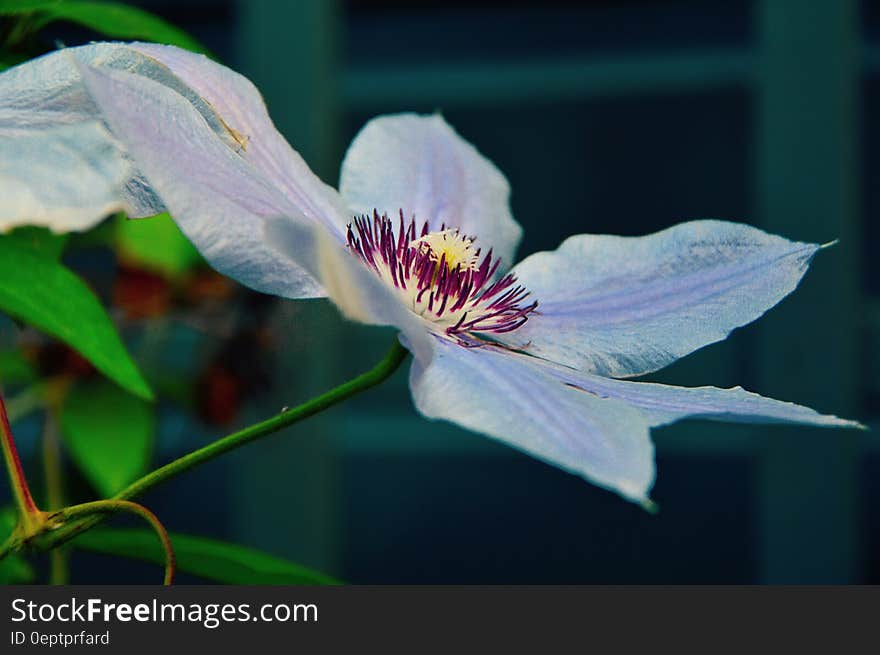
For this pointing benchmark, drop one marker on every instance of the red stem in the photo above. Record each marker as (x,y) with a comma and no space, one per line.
(20,488)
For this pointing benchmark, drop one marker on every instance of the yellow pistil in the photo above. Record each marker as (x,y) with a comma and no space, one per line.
(449,245)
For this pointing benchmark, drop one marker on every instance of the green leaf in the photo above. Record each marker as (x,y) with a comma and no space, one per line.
(8,59)
(109,434)
(97,236)
(38,239)
(155,244)
(12,7)
(8,517)
(206,558)
(44,293)
(7,521)
(109,18)
(14,569)
(15,369)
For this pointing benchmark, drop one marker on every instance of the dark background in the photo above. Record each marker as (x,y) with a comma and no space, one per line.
(617,116)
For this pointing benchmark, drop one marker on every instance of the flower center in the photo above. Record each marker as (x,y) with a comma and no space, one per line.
(441,276)
(451,247)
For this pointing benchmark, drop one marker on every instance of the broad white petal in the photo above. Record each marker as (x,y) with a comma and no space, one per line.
(217,198)
(663,404)
(59,166)
(66,178)
(516,400)
(241,107)
(356,290)
(420,165)
(624,306)
(48,119)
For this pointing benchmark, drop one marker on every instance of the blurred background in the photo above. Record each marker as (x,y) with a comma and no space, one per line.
(611,116)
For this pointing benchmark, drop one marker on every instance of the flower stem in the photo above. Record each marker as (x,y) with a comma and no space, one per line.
(378,374)
(309,408)
(59,573)
(30,513)
(102,507)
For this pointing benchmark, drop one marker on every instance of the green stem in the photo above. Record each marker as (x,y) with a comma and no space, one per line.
(52,463)
(59,567)
(28,510)
(102,507)
(378,374)
(309,408)
(59,573)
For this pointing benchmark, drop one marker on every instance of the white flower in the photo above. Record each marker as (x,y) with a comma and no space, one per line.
(419,237)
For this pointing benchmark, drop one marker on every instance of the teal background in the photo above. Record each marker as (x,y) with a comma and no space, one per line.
(623,117)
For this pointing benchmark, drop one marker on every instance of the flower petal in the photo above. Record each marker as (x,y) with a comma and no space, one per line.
(241,107)
(624,306)
(59,167)
(218,198)
(355,289)
(516,400)
(663,404)
(420,165)
(34,191)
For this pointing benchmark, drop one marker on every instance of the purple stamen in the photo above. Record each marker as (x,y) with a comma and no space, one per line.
(485,306)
